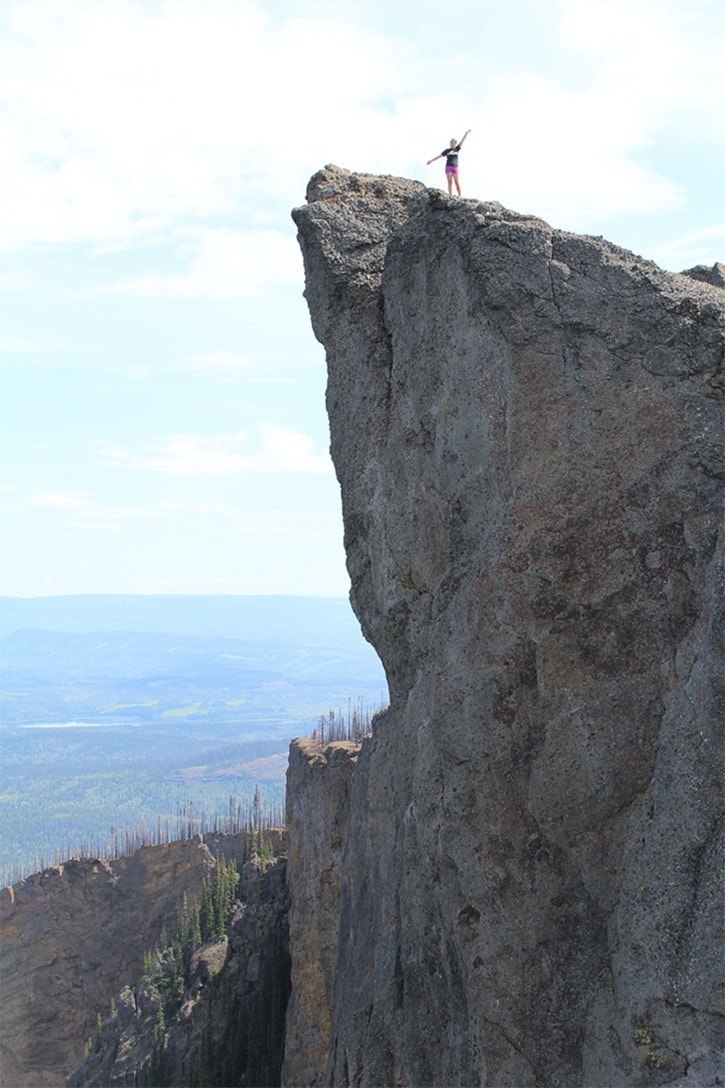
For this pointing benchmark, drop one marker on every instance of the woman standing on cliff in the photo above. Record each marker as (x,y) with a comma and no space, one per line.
(451,156)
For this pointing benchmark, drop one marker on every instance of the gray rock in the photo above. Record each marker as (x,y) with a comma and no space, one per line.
(126,1006)
(526,430)
(318,792)
(254,969)
(250,878)
(75,935)
(207,962)
(705,274)
(148,1000)
(233,985)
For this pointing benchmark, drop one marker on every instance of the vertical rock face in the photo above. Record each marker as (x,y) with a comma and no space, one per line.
(318,799)
(525,427)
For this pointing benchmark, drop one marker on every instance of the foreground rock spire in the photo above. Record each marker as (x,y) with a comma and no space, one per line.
(524,882)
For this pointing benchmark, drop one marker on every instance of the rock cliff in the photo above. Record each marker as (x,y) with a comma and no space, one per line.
(526,428)
(318,806)
(74,935)
(229,1026)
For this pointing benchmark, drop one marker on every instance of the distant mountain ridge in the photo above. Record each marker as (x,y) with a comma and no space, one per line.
(78,658)
(119,710)
(267,618)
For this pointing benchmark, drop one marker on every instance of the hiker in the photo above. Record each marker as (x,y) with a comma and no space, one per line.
(451,156)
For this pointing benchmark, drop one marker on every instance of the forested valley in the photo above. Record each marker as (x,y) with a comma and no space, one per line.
(127,720)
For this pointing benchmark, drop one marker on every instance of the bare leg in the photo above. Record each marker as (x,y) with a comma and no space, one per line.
(449,179)
(458,184)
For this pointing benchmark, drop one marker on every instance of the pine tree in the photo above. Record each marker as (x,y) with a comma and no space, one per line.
(195,926)
(159,1021)
(207,913)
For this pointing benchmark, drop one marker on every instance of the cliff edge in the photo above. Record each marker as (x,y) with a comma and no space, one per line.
(525,425)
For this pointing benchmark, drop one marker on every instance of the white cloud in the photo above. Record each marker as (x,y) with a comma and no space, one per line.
(279,450)
(123,117)
(126,120)
(12,344)
(654,65)
(85,513)
(650,54)
(586,136)
(690,249)
(15,280)
(564,155)
(224,264)
(60,500)
(222,366)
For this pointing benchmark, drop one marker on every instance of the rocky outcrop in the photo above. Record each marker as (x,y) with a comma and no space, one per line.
(525,427)
(706,274)
(318,804)
(229,1028)
(74,935)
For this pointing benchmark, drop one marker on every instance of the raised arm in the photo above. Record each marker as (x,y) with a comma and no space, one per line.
(460,142)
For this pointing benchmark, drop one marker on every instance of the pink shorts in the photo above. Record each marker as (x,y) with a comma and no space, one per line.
(451,169)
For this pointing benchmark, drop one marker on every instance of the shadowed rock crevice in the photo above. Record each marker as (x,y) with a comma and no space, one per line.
(526,429)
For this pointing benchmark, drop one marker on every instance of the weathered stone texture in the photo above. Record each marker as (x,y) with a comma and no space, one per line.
(318,793)
(526,428)
(714,275)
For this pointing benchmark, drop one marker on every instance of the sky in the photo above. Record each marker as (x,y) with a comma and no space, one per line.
(162,412)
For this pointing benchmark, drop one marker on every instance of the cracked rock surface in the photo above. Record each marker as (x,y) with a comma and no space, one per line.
(526,429)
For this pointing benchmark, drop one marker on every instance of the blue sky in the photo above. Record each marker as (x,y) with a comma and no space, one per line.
(163,425)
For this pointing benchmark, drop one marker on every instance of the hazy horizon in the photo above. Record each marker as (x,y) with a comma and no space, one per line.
(118,709)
